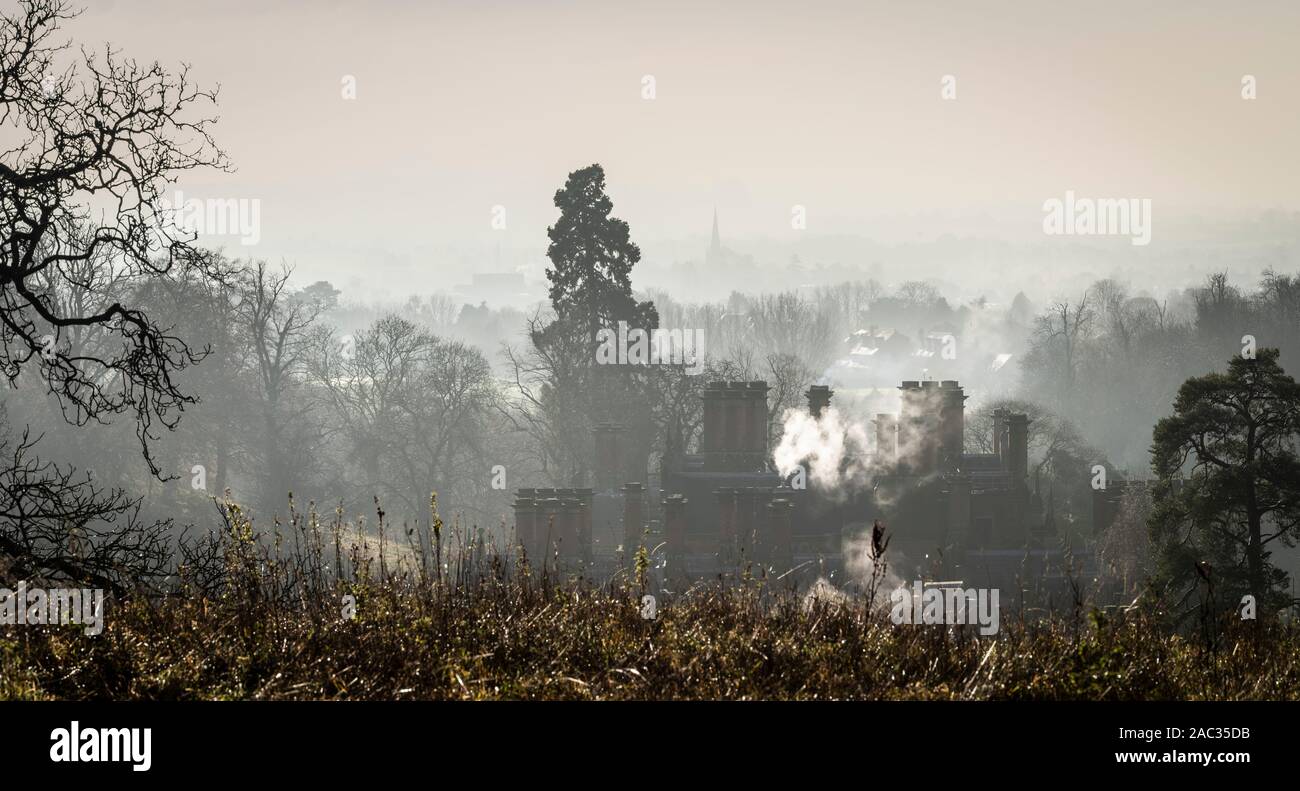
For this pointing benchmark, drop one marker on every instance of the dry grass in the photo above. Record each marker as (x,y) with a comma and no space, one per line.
(249,620)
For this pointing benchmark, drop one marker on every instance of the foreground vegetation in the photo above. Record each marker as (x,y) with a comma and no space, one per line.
(443,616)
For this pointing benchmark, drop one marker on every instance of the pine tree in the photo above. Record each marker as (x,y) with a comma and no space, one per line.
(592,256)
(1234,437)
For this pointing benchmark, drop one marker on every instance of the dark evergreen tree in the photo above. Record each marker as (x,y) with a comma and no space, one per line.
(1229,480)
(592,256)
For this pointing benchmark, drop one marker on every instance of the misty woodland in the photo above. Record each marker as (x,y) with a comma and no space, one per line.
(222,478)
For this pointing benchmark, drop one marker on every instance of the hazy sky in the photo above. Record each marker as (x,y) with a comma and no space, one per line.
(836,106)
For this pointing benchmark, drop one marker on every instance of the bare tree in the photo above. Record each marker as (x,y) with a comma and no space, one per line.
(918,294)
(57,524)
(446,421)
(413,408)
(437,310)
(277,325)
(550,388)
(93,140)
(786,324)
(101,131)
(1061,331)
(1125,546)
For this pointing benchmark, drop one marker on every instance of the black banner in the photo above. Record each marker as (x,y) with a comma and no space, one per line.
(291,741)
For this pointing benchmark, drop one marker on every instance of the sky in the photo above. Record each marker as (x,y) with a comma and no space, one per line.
(463,109)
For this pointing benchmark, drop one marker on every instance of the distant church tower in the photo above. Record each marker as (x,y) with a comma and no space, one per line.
(715,247)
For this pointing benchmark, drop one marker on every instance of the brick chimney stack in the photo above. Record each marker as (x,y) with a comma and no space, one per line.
(952,424)
(756,435)
(1018,446)
(1000,432)
(738,421)
(734,436)
(915,430)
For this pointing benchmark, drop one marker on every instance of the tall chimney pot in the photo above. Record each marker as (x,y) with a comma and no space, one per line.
(819,399)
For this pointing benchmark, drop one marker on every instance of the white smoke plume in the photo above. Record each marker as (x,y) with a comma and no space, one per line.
(839,454)
(862,569)
(861,565)
(834,451)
